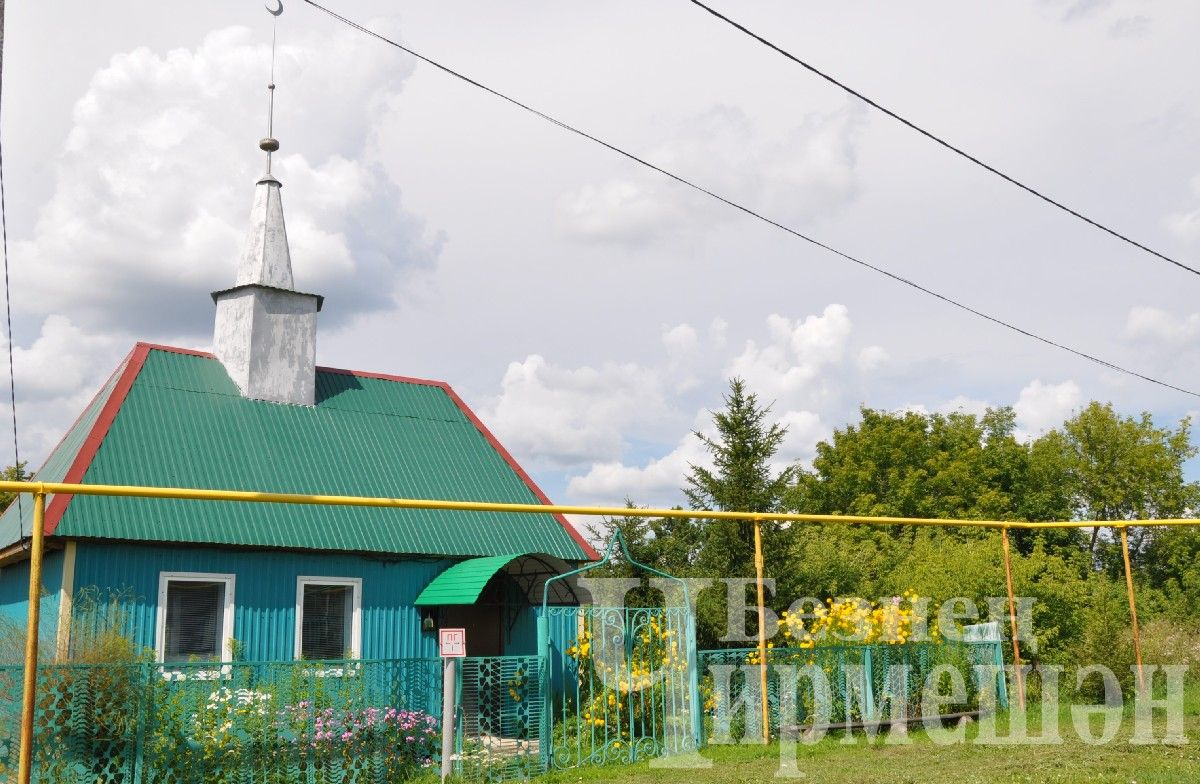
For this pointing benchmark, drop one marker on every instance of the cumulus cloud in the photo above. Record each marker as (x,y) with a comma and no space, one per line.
(149,208)
(1042,406)
(57,373)
(611,482)
(1158,326)
(805,176)
(788,366)
(568,416)
(781,370)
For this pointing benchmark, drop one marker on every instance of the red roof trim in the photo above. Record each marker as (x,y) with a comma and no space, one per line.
(176,350)
(512,463)
(91,445)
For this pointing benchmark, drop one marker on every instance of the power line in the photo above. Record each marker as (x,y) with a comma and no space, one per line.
(12,383)
(938,140)
(748,211)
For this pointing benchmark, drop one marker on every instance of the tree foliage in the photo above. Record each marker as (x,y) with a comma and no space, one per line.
(13,473)
(1097,464)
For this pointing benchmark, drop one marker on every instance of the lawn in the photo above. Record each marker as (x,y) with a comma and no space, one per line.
(841,760)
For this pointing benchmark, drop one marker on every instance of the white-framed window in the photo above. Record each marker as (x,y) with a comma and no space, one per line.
(195,616)
(328,618)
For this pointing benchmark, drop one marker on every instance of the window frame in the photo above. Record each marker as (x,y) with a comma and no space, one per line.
(227,612)
(355,586)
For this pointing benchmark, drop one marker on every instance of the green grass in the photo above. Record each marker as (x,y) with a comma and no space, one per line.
(855,760)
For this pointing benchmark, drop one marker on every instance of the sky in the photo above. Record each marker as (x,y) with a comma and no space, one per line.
(589,310)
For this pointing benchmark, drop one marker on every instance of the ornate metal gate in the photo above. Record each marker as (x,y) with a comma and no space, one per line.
(620,684)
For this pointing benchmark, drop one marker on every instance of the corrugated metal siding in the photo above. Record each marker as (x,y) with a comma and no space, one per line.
(265,593)
(56,465)
(184,424)
(14,594)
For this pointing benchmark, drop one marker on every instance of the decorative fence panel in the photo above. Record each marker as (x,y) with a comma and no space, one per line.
(500,716)
(347,721)
(858,683)
(626,686)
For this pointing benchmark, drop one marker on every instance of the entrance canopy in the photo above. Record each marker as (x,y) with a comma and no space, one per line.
(463,582)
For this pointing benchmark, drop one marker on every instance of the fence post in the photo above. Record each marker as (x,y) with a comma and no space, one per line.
(1001,681)
(694,681)
(543,652)
(144,705)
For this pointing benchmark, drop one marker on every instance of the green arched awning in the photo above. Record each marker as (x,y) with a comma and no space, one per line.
(463,582)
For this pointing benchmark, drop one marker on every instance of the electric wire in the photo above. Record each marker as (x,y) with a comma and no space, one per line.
(942,142)
(748,211)
(12,384)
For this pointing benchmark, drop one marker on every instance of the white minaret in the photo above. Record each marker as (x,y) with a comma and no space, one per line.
(266,331)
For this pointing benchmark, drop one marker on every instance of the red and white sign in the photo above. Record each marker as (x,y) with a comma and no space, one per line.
(452,643)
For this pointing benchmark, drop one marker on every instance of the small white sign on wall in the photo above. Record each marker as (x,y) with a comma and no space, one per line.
(452,643)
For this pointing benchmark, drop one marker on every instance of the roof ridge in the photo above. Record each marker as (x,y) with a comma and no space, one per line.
(324,406)
(320,368)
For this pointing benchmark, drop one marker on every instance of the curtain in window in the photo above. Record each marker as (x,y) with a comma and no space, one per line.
(325,631)
(195,614)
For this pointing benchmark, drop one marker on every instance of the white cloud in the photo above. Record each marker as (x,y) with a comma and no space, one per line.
(788,368)
(805,429)
(571,416)
(871,358)
(681,340)
(1042,406)
(805,176)
(611,482)
(149,208)
(1156,325)
(57,374)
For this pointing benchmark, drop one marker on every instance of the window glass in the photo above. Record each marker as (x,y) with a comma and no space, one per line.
(194,620)
(327,614)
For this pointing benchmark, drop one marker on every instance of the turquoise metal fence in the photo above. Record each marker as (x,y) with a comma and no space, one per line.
(333,721)
(857,683)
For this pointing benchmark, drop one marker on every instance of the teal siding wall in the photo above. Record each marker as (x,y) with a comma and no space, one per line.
(14,595)
(265,593)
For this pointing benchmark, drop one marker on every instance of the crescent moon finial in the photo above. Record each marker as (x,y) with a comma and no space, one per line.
(277,10)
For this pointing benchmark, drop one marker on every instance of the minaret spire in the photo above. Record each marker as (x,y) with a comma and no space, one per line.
(270,144)
(266,331)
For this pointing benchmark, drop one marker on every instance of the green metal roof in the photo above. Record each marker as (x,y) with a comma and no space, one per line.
(182,423)
(463,582)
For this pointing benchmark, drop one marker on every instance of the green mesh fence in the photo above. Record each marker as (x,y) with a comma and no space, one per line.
(839,684)
(500,713)
(315,722)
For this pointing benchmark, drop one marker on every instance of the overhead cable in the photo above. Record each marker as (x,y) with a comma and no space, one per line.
(752,213)
(12,384)
(942,142)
